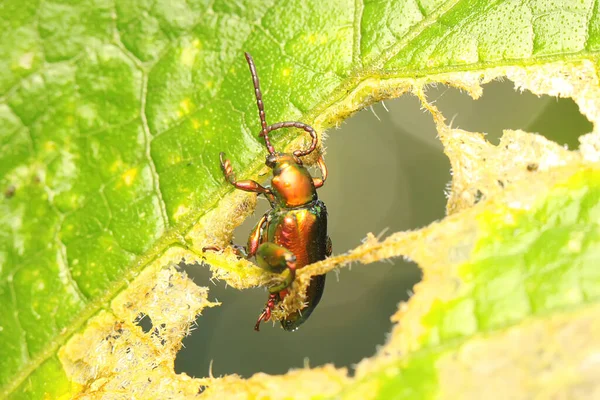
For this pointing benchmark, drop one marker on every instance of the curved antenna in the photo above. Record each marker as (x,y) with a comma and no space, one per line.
(288,124)
(299,125)
(259,102)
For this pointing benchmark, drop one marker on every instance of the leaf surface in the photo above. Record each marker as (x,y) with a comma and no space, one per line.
(112,115)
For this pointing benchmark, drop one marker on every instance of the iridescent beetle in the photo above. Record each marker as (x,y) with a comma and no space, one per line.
(293,233)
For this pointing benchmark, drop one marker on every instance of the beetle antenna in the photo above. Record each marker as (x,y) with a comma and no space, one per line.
(300,125)
(259,102)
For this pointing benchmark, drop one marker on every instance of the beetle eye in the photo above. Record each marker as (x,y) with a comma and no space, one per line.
(270,162)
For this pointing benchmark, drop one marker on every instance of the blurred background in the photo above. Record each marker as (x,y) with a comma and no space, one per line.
(387,173)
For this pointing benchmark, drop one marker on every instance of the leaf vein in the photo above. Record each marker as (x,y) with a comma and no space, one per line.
(148,153)
(592,15)
(356,48)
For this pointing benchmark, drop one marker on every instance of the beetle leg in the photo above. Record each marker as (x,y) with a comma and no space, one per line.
(254,238)
(239,251)
(253,242)
(246,185)
(211,248)
(266,314)
(320,181)
(277,259)
(274,258)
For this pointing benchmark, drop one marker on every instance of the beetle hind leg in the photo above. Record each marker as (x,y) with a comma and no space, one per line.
(253,240)
(266,314)
(277,259)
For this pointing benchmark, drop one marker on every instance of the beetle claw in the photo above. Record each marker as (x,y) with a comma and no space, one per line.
(266,314)
(211,248)
(261,318)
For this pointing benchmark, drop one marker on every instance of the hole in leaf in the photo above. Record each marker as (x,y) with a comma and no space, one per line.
(379,177)
(502,107)
(144,321)
(348,325)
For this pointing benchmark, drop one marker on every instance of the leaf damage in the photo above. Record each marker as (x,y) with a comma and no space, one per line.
(508,178)
(114,355)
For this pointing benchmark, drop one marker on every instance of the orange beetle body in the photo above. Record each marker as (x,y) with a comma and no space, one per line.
(293,233)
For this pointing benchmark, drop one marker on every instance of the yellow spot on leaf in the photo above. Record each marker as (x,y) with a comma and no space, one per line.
(189,53)
(175,158)
(575,243)
(181,210)
(116,166)
(286,72)
(129,176)
(314,38)
(26,60)
(49,146)
(185,106)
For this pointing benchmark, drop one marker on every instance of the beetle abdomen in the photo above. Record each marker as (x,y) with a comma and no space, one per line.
(301,230)
(313,296)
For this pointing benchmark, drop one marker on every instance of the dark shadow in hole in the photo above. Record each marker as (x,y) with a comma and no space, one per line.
(338,332)
(562,122)
(501,107)
(144,321)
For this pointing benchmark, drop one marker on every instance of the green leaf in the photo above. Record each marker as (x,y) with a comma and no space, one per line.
(112,115)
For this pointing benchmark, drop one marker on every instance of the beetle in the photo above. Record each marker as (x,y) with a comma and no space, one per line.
(293,233)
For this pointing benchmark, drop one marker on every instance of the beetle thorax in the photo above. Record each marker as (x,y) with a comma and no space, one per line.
(292,184)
